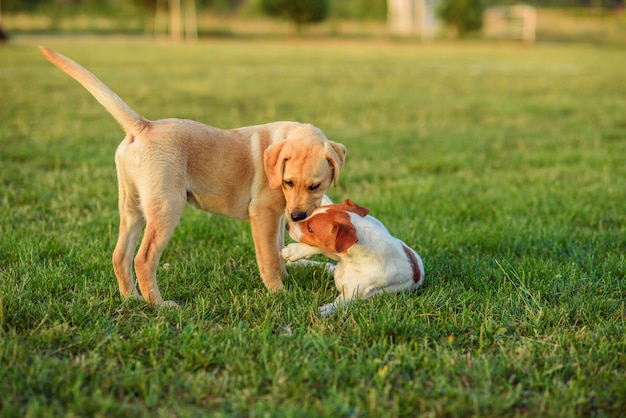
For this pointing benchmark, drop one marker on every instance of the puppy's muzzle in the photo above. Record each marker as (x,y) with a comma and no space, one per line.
(298,216)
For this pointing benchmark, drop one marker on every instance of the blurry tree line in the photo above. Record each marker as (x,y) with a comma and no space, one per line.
(464,15)
(344,9)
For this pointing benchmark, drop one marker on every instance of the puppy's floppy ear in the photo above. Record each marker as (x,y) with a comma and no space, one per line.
(358,209)
(336,156)
(345,236)
(274,159)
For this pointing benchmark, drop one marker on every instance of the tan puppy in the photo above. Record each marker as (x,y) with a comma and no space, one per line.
(254,173)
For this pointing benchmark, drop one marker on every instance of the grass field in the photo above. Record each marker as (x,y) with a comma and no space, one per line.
(502,165)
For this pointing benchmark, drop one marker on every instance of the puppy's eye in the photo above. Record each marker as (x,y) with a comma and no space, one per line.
(308,228)
(314,187)
(288,183)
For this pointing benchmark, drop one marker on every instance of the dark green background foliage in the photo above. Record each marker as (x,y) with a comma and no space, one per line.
(299,12)
(464,15)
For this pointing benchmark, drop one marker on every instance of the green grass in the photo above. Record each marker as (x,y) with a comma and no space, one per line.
(503,166)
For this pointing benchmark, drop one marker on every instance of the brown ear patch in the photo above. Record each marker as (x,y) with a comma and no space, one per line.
(350,206)
(345,236)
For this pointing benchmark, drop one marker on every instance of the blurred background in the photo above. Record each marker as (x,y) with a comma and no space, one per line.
(598,21)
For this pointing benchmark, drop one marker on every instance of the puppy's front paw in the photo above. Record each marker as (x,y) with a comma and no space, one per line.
(294,252)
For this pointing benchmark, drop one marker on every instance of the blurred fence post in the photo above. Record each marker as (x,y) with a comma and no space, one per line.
(511,22)
(183,20)
(191,20)
(175,20)
(412,17)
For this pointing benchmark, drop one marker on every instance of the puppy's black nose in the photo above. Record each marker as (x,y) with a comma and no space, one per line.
(298,216)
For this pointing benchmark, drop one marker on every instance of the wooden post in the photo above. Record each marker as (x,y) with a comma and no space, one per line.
(529,22)
(191,20)
(400,17)
(175,20)
(412,17)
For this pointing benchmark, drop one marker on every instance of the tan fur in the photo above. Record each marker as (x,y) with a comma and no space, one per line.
(255,173)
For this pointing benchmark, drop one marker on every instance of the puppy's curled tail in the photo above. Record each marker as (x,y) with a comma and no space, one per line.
(131,121)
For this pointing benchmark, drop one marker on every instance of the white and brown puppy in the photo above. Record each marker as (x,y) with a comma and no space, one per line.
(257,173)
(370,259)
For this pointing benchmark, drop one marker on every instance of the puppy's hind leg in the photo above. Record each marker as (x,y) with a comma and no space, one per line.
(131,223)
(161,220)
